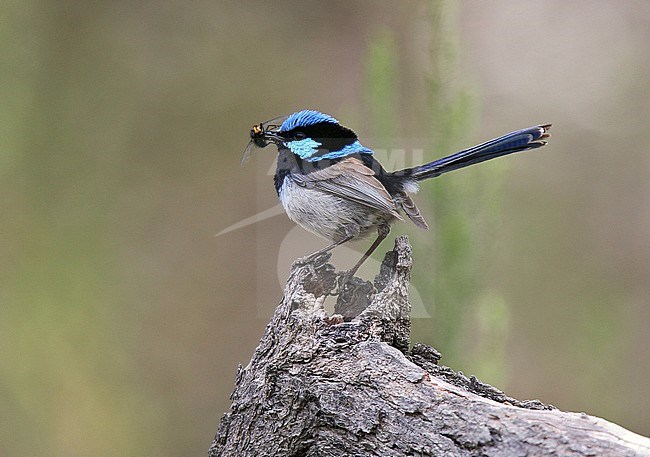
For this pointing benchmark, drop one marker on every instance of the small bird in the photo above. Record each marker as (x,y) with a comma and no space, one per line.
(333,186)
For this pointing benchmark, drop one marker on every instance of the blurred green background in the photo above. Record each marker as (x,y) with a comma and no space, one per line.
(123,317)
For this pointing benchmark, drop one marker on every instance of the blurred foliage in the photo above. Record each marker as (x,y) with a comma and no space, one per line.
(122,317)
(448,271)
(62,350)
(466,211)
(381,87)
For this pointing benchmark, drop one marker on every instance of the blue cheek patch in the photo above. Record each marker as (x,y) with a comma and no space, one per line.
(354,148)
(307,149)
(304,148)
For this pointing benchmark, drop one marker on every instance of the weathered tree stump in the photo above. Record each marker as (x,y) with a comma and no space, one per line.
(322,385)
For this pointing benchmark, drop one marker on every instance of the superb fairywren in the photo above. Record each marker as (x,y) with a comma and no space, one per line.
(332,185)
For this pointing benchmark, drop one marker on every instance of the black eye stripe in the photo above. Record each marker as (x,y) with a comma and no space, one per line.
(323,130)
(333,137)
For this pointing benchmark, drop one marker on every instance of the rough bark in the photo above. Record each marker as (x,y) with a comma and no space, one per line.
(322,385)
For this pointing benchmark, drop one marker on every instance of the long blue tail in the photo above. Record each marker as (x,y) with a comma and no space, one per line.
(520,140)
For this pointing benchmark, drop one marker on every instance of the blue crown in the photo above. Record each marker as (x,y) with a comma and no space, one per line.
(304,118)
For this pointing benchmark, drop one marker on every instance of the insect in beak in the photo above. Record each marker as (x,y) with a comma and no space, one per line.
(261,135)
(257,136)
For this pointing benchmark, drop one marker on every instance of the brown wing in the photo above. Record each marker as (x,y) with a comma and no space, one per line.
(412,211)
(352,180)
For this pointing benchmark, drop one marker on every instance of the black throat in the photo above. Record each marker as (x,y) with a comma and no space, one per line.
(287,163)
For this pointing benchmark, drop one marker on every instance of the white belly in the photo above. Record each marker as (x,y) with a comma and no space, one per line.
(325,214)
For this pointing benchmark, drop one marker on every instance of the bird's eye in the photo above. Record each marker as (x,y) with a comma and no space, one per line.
(299,135)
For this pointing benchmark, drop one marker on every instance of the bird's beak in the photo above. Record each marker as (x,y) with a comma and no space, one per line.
(273,137)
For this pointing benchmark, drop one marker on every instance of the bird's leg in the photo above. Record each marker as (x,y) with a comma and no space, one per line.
(320,252)
(349,233)
(382,232)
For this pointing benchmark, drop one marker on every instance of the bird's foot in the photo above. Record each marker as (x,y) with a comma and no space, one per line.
(316,259)
(342,280)
(313,262)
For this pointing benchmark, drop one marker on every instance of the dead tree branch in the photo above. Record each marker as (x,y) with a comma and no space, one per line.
(320,385)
